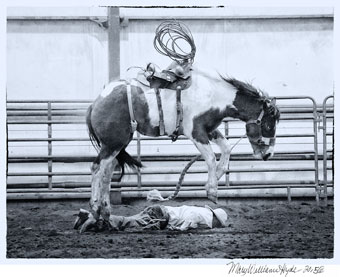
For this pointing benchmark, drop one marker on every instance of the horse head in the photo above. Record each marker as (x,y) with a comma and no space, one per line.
(260,114)
(261,130)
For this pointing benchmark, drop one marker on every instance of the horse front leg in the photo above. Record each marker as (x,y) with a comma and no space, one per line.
(224,145)
(209,157)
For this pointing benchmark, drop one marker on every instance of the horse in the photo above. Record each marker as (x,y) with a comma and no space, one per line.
(210,98)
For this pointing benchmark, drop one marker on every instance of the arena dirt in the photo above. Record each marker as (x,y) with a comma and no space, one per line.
(256,229)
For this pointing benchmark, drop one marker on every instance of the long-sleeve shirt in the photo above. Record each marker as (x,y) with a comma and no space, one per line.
(188,217)
(159,217)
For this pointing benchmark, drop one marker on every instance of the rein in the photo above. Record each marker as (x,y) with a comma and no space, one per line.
(260,141)
(237,142)
(189,164)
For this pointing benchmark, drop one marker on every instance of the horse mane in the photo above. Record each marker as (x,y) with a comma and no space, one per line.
(245,88)
(248,89)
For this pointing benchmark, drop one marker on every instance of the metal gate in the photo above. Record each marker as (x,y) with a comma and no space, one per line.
(60,176)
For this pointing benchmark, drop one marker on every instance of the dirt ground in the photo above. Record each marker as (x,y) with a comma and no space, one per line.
(257,229)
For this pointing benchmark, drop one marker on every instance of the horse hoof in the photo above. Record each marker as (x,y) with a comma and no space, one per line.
(82,216)
(77,223)
(84,221)
(213,198)
(89,223)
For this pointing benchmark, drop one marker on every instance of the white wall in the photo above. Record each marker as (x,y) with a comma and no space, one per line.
(283,56)
(54,59)
(283,51)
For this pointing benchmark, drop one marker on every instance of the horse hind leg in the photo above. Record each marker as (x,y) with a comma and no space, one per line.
(108,166)
(102,169)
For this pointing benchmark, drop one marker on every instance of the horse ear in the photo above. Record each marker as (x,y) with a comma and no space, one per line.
(266,104)
(270,106)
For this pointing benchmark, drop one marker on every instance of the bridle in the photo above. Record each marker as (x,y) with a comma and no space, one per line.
(260,140)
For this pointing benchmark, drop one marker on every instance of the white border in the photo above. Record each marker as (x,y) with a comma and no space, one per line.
(156,13)
(197,270)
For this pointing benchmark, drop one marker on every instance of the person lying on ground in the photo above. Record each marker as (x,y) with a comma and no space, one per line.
(157,217)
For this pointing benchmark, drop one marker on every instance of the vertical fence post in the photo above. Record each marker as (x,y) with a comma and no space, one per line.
(315,136)
(114,68)
(324,144)
(114,43)
(324,148)
(139,173)
(226,134)
(289,194)
(49,143)
(316,152)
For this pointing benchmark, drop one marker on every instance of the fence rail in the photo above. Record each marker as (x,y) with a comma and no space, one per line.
(52,113)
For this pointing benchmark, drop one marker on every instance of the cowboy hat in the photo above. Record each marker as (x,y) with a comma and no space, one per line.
(220,214)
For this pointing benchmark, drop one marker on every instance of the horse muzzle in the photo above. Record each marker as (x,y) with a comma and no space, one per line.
(268,154)
(264,154)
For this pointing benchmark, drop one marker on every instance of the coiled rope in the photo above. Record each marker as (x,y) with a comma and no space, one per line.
(170,37)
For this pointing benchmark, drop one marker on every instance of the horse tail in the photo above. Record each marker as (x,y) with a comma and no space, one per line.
(124,158)
(93,137)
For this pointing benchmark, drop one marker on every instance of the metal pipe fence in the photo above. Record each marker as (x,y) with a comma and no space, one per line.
(327,157)
(52,113)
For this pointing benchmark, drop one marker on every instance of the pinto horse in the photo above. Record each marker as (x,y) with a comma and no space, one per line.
(209,99)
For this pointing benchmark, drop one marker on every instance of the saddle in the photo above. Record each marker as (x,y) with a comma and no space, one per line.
(177,76)
(174,76)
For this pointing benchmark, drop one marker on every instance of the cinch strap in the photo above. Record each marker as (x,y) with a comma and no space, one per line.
(133,121)
(160,111)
